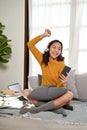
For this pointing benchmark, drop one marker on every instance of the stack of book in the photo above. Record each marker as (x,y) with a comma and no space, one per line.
(1,100)
(9,98)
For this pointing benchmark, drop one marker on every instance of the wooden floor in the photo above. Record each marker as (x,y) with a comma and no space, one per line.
(33,124)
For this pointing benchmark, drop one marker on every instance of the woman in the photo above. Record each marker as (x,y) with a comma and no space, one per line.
(53,82)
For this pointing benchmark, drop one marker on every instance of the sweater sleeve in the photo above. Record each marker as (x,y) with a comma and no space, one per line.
(31,45)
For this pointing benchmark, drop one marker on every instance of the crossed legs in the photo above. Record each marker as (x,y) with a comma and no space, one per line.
(55,105)
(58,102)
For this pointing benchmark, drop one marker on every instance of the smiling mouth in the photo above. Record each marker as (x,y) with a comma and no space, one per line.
(55,55)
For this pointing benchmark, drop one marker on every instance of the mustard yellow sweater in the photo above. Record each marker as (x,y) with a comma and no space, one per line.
(50,72)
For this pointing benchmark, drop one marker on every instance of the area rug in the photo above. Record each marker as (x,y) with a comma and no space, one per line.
(78,116)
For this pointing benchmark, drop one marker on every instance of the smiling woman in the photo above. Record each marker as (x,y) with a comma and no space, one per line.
(69,25)
(53,81)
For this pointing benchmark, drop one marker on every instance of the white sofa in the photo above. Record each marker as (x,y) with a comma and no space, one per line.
(76,83)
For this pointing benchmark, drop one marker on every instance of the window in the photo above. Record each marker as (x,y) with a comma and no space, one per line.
(82,65)
(68,23)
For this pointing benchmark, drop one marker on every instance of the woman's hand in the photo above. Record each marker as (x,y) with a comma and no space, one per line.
(47,33)
(63,78)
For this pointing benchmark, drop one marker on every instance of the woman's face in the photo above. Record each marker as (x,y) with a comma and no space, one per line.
(55,50)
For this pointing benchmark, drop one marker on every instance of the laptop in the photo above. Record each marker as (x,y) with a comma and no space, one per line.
(16,87)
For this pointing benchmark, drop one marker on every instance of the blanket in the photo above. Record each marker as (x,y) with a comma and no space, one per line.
(78,116)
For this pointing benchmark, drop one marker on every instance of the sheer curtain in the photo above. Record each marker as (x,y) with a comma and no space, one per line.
(75,25)
(79,46)
(67,21)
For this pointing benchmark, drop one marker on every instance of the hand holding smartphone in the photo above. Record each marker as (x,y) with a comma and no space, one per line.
(65,70)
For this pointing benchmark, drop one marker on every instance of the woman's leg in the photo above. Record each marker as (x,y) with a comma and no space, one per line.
(47,93)
(63,100)
(25,94)
(43,94)
(59,102)
(51,105)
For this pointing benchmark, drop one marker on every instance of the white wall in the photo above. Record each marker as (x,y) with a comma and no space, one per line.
(12,16)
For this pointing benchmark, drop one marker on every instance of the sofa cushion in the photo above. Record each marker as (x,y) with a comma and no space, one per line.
(71,84)
(33,82)
(81,84)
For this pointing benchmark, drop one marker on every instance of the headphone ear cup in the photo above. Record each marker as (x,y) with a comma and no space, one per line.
(47,49)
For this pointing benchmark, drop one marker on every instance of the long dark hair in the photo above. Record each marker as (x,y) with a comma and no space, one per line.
(46,53)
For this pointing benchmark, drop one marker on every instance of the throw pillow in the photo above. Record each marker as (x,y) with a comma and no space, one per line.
(33,82)
(81,84)
(71,84)
(39,79)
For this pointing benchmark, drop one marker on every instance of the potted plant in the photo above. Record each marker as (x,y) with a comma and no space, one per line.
(5,49)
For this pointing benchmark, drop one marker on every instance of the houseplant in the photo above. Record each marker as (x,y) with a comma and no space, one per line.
(5,49)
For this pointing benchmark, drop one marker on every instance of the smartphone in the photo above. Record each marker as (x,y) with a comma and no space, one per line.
(66,70)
